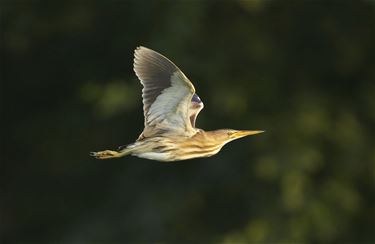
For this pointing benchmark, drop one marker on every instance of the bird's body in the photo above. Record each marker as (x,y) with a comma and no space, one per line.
(170,107)
(171,148)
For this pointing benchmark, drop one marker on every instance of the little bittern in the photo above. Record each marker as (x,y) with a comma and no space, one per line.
(170,107)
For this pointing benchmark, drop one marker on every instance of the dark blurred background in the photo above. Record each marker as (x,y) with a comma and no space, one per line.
(304,71)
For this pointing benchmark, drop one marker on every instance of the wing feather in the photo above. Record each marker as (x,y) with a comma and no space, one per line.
(166,93)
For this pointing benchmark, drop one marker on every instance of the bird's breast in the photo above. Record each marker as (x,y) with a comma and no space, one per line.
(159,156)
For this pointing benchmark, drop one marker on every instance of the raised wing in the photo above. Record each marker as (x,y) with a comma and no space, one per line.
(166,93)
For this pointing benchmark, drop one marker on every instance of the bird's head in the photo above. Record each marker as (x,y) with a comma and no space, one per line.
(227,135)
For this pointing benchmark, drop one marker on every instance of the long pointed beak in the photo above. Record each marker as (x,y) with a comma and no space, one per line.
(242,133)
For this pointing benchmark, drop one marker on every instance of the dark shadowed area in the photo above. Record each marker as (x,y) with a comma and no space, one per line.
(304,71)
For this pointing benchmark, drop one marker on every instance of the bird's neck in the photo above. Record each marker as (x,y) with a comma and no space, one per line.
(209,137)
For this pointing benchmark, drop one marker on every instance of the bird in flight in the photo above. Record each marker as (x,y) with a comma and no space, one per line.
(170,107)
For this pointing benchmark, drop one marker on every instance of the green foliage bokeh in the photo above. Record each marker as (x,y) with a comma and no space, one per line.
(304,71)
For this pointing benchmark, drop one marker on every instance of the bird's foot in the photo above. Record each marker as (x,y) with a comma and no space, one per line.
(105,154)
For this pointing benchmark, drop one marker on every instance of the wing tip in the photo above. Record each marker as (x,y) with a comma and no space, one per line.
(142,49)
(140,52)
(146,57)
(137,56)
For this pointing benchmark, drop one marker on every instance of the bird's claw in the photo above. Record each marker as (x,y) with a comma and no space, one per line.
(104,154)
